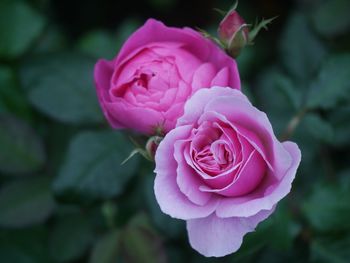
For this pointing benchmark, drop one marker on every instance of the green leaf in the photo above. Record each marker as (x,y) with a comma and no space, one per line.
(301,51)
(61,86)
(330,250)
(279,227)
(332,84)
(287,89)
(171,227)
(70,238)
(21,150)
(140,243)
(20,25)
(282,97)
(93,169)
(340,120)
(53,39)
(331,17)
(27,245)
(25,202)
(328,208)
(12,100)
(98,44)
(319,128)
(106,249)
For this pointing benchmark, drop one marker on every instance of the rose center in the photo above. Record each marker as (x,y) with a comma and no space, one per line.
(142,81)
(214,158)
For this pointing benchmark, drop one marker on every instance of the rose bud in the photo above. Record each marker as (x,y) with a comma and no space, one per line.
(233,32)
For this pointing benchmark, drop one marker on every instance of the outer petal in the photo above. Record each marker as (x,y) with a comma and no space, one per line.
(269,193)
(221,60)
(155,31)
(140,119)
(194,107)
(171,116)
(217,237)
(169,197)
(102,74)
(205,50)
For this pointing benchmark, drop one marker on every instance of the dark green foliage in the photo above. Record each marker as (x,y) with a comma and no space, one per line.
(93,167)
(20,25)
(65,196)
(21,150)
(61,86)
(71,236)
(25,202)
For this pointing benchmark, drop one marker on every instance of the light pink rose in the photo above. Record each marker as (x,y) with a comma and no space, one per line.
(222,169)
(156,71)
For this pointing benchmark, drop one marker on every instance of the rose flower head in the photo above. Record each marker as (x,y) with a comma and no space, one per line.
(222,169)
(145,86)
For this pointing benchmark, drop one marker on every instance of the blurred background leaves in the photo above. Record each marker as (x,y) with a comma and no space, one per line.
(64,197)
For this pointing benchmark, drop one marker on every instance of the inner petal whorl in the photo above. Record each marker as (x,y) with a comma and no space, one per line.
(209,152)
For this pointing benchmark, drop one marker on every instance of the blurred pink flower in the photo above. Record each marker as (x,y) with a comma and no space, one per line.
(145,87)
(222,169)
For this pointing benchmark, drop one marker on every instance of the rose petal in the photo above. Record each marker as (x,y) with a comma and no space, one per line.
(169,197)
(183,92)
(217,237)
(218,181)
(171,116)
(248,140)
(203,76)
(102,74)
(254,126)
(221,78)
(187,179)
(247,179)
(143,120)
(269,193)
(195,106)
(155,31)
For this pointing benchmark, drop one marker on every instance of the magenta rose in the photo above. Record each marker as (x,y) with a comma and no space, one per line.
(158,68)
(222,170)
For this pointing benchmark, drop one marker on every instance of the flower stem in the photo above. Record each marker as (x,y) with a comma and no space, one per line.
(293,124)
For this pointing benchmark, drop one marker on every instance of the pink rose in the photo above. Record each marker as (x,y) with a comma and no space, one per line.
(145,87)
(222,169)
